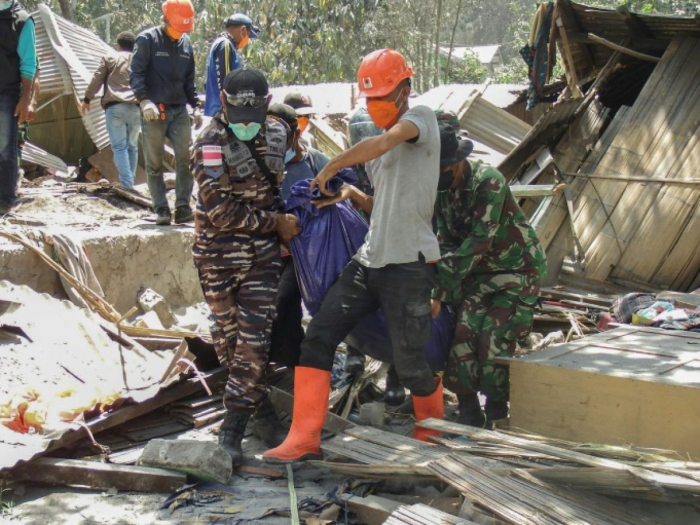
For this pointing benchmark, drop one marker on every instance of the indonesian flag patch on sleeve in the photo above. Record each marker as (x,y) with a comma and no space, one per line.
(211,156)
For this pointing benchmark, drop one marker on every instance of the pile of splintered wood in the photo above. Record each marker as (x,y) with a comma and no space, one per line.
(522,478)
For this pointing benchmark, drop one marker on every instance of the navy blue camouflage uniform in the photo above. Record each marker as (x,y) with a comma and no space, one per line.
(237,251)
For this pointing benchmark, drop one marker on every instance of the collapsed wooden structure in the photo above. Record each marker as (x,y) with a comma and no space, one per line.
(628,149)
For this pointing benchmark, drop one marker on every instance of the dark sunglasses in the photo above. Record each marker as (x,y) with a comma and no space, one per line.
(240,102)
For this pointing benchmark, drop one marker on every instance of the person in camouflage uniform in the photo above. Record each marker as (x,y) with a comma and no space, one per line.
(238,163)
(491,270)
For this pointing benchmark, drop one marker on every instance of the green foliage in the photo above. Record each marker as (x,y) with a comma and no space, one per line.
(312,41)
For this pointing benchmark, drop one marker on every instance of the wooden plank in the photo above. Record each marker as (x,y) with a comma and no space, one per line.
(422,514)
(371,510)
(98,476)
(524,502)
(622,49)
(259,471)
(373,471)
(535,190)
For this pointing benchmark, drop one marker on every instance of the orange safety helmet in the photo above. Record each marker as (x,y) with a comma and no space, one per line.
(179,14)
(381,71)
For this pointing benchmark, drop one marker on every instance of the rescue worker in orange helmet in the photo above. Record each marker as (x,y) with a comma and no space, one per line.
(162,78)
(392,270)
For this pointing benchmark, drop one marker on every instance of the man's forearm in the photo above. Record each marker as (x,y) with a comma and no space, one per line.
(361,200)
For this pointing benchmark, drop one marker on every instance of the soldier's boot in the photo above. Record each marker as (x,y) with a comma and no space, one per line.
(183,214)
(425,407)
(395,394)
(163,216)
(355,362)
(470,412)
(495,410)
(311,389)
(266,425)
(231,435)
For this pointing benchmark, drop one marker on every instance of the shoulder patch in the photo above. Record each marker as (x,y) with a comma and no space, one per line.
(214,173)
(212,156)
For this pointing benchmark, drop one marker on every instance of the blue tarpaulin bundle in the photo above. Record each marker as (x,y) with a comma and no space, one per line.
(330,237)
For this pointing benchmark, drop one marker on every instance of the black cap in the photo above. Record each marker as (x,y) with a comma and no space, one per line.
(241,19)
(300,102)
(285,113)
(246,84)
(452,149)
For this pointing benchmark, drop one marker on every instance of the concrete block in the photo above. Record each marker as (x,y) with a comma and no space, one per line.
(151,301)
(203,460)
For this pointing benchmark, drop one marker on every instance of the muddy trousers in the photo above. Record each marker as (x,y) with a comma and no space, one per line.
(402,291)
(496,312)
(242,301)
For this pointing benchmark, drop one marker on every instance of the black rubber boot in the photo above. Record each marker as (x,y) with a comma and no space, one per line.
(355,362)
(395,394)
(470,411)
(163,216)
(266,425)
(495,410)
(231,435)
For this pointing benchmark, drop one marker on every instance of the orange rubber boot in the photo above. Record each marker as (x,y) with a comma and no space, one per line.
(427,407)
(311,390)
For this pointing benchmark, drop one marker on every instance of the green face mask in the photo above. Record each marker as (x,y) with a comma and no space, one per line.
(245,132)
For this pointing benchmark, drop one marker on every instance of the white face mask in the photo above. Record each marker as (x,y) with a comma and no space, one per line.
(6,5)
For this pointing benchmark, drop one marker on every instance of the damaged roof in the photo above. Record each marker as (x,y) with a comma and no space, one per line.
(69,54)
(649,34)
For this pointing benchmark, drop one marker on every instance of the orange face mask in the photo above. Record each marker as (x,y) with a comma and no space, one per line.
(303,123)
(243,42)
(383,113)
(175,35)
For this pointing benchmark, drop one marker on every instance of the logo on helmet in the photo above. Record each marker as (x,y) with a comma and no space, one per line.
(367,83)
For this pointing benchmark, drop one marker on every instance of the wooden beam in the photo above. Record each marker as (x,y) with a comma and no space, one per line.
(566,11)
(635,178)
(133,197)
(627,51)
(536,190)
(570,69)
(98,476)
(651,44)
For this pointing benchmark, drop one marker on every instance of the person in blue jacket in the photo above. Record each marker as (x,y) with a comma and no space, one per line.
(224,57)
(162,78)
(18,65)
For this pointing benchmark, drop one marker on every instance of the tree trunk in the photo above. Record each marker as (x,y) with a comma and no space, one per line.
(452,42)
(68,9)
(436,80)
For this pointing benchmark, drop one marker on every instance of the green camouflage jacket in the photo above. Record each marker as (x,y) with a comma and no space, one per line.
(482,230)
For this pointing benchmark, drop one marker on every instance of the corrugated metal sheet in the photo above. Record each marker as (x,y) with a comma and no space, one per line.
(35,155)
(493,126)
(330,99)
(500,95)
(70,54)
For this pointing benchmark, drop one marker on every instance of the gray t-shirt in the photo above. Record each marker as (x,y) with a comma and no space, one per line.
(405,184)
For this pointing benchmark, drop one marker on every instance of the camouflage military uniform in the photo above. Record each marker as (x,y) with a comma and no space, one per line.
(492,267)
(237,250)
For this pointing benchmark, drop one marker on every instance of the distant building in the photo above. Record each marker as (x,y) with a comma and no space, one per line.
(489,56)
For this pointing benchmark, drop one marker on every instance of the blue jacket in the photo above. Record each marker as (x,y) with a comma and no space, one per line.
(162,70)
(217,68)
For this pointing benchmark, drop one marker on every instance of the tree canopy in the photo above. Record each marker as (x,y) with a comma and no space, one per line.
(312,41)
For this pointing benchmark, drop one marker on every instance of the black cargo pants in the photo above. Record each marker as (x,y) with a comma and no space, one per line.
(402,291)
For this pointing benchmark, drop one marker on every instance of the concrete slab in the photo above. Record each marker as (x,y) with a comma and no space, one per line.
(200,459)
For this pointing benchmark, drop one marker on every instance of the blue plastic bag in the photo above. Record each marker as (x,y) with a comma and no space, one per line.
(329,239)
